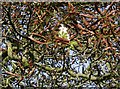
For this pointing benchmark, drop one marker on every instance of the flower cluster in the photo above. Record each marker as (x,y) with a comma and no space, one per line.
(63,32)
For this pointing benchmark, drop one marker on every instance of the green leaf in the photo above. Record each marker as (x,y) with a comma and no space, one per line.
(14,65)
(25,62)
(7,81)
(72,44)
(108,65)
(9,49)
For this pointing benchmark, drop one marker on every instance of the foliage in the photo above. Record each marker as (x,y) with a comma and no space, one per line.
(35,55)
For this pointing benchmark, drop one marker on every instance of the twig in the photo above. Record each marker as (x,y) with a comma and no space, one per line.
(13,74)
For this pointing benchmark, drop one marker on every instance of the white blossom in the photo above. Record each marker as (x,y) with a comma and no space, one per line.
(63,32)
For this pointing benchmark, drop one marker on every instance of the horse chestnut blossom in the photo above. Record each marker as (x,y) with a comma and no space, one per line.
(63,32)
(65,37)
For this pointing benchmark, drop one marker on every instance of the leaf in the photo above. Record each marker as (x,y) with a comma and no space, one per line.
(25,62)
(14,65)
(87,15)
(70,7)
(108,65)
(107,48)
(62,40)
(9,49)
(72,44)
(7,81)
(85,21)
(79,26)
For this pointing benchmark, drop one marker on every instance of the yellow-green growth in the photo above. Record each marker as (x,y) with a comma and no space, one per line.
(9,49)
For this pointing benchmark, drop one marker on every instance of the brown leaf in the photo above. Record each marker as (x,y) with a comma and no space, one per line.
(78,42)
(112,48)
(104,25)
(98,9)
(38,35)
(105,41)
(85,21)
(79,26)
(107,48)
(106,10)
(62,40)
(71,7)
(111,13)
(36,41)
(87,15)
